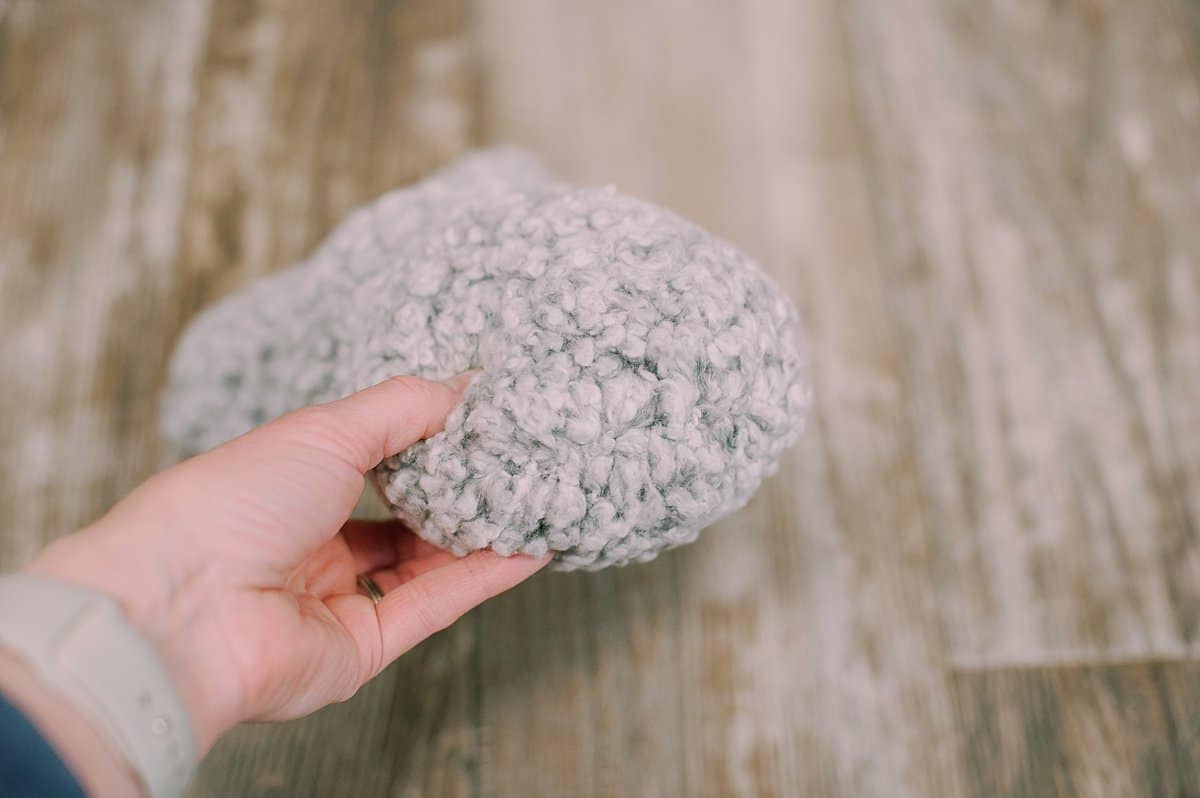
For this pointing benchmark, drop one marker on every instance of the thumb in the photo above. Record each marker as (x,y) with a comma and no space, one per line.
(292,483)
(364,428)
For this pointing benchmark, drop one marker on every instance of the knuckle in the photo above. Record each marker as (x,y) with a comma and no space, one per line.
(420,393)
(312,418)
(419,388)
(414,388)
(406,382)
(316,427)
(433,613)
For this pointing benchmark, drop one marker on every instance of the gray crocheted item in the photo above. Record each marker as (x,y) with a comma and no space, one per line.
(640,377)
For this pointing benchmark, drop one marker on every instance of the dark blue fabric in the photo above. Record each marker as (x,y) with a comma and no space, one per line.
(29,767)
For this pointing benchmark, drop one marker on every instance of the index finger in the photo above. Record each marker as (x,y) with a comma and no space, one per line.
(435,599)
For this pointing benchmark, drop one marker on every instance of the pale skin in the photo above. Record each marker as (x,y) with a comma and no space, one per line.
(240,566)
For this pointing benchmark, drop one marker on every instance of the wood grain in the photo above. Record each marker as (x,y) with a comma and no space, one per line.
(1043,277)
(979,572)
(155,156)
(1129,729)
(984,211)
(808,658)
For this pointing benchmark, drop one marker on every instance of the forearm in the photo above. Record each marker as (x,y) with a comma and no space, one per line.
(97,766)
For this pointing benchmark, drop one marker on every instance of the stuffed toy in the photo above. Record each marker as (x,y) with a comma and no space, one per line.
(639,377)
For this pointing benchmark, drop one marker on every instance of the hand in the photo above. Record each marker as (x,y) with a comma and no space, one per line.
(240,566)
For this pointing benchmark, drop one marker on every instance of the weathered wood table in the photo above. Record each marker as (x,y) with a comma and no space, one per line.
(979,572)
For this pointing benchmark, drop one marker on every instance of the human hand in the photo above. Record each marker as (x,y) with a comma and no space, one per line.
(240,566)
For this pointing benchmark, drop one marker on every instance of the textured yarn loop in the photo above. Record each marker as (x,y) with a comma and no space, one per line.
(640,378)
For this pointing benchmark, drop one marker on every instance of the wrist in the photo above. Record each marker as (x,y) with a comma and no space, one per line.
(90,757)
(163,603)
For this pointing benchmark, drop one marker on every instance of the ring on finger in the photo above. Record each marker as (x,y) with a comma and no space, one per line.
(370,587)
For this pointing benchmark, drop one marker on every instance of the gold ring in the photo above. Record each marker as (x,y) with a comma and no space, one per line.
(369,586)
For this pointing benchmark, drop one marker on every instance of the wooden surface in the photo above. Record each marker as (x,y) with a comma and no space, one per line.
(978,573)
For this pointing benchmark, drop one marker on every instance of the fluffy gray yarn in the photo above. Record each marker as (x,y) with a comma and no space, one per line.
(640,377)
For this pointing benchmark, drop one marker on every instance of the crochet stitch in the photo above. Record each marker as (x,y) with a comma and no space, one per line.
(640,377)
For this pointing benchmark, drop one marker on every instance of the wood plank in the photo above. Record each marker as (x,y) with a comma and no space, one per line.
(409,732)
(155,156)
(93,159)
(1131,729)
(1034,185)
(305,111)
(985,211)
(796,650)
